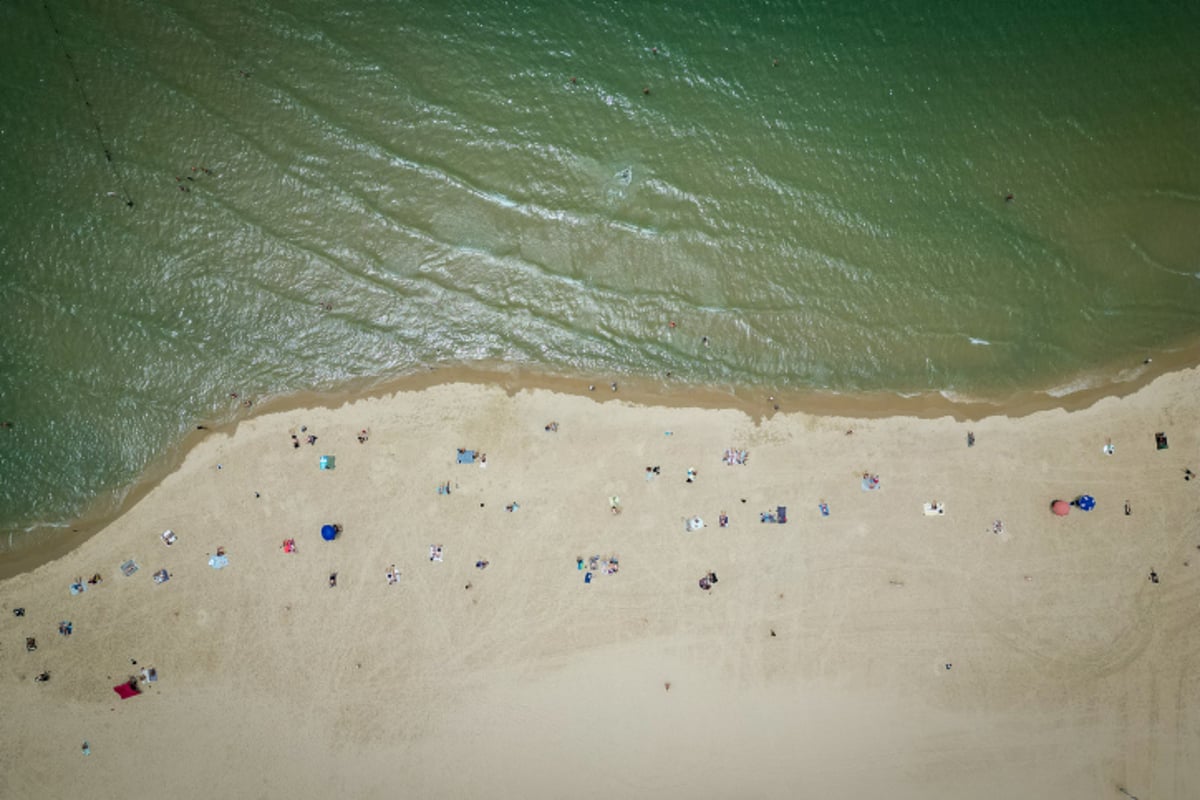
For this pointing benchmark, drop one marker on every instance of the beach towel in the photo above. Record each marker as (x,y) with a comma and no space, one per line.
(932,510)
(870,483)
(218,562)
(126,690)
(327,462)
(289,545)
(168,538)
(466,456)
(129,567)
(824,509)
(587,578)
(435,552)
(781,514)
(162,576)
(78,588)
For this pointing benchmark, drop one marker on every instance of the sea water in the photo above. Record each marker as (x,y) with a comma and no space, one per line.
(203,199)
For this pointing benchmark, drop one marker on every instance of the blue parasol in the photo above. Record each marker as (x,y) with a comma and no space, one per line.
(328,532)
(1086,502)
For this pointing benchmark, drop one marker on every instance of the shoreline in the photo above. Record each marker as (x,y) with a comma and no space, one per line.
(1041,653)
(42,544)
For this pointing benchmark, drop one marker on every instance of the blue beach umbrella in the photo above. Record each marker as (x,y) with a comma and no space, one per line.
(1086,502)
(328,533)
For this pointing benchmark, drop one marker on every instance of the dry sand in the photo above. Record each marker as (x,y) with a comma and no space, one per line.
(816,666)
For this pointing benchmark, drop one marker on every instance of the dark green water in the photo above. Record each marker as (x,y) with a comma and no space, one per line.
(818,188)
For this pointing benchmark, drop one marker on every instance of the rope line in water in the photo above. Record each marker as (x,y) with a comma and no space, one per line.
(91,112)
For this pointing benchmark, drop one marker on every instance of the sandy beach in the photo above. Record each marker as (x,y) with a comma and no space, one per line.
(989,651)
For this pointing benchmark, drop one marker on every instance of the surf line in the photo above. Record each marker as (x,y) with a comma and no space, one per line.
(91,112)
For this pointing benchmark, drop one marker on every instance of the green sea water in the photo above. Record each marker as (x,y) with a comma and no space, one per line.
(819,188)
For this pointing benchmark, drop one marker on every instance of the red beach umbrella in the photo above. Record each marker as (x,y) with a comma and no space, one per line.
(1060,507)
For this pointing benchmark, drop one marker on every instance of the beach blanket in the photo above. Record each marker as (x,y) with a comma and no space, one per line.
(824,509)
(169,538)
(933,510)
(78,588)
(870,483)
(129,567)
(218,562)
(126,690)
(466,456)
(435,552)
(162,576)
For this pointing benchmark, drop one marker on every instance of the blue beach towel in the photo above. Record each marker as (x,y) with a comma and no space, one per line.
(466,456)
(78,588)
(587,578)
(824,509)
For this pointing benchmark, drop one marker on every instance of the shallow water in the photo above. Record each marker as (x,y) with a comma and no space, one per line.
(820,191)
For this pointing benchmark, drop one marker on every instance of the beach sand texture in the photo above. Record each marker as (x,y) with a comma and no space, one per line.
(816,666)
